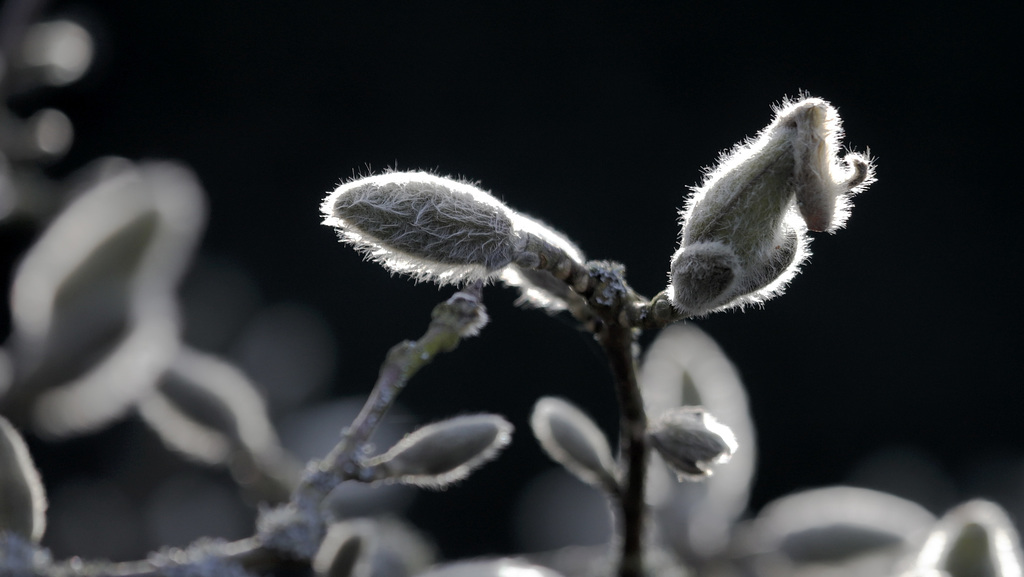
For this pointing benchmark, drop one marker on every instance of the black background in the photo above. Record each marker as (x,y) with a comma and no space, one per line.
(596,117)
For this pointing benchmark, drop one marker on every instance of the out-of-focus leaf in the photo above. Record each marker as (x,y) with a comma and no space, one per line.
(208,410)
(975,539)
(684,366)
(311,432)
(22,497)
(573,440)
(94,315)
(835,524)
(55,53)
(436,455)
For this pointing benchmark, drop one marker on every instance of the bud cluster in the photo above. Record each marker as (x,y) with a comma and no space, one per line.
(743,235)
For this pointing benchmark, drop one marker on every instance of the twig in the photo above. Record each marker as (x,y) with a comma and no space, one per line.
(460,316)
(612,300)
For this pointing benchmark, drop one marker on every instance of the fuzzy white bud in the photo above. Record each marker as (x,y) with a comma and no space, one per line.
(691,441)
(743,228)
(572,439)
(442,453)
(441,230)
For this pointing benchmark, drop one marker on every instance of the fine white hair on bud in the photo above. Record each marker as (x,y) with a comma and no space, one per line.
(691,441)
(743,228)
(427,226)
(444,230)
(442,453)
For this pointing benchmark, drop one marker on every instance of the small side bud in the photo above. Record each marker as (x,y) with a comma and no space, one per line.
(440,454)
(691,441)
(572,439)
(341,552)
(541,288)
(429,227)
(22,498)
(743,228)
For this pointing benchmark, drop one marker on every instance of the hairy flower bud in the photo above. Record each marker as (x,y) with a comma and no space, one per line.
(427,226)
(442,453)
(690,441)
(572,439)
(743,228)
(441,229)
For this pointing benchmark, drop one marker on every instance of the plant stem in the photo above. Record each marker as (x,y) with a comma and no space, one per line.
(460,316)
(617,342)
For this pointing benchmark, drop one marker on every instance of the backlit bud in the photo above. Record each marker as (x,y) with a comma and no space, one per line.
(690,441)
(743,228)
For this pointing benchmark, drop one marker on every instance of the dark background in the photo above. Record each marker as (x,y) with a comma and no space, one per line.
(903,331)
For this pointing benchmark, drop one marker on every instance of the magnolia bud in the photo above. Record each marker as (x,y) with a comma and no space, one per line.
(572,439)
(427,226)
(439,229)
(975,538)
(743,228)
(442,453)
(22,497)
(690,441)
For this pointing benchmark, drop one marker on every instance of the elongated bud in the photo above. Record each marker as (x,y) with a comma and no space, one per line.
(691,441)
(22,498)
(743,228)
(439,229)
(440,454)
(572,439)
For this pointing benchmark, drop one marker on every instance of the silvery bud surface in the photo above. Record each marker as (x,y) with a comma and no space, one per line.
(437,229)
(22,497)
(743,235)
(442,453)
(94,307)
(572,439)
(691,441)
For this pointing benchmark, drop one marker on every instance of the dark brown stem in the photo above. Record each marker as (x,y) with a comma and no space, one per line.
(612,301)
(617,342)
